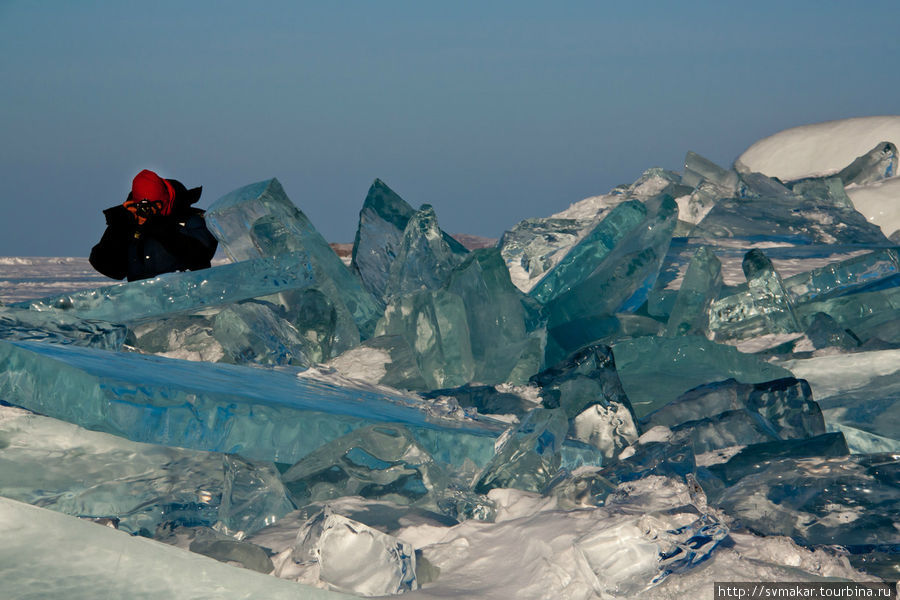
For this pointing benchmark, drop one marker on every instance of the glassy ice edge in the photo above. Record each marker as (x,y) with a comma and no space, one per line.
(692,378)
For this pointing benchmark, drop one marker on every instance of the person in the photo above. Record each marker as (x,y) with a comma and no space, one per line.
(156,230)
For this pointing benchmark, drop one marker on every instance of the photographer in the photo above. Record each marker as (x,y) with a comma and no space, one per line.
(156,230)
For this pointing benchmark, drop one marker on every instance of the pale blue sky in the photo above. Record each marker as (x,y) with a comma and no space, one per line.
(490,111)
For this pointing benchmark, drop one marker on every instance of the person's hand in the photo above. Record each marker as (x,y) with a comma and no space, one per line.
(143,209)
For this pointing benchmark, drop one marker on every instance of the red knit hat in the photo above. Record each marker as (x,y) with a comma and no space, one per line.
(147,185)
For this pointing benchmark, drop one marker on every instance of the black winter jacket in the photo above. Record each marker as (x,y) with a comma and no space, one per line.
(178,242)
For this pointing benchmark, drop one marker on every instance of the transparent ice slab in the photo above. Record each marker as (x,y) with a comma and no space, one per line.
(260,414)
(803,220)
(63,467)
(852,500)
(860,391)
(435,326)
(382,221)
(766,306)
(622,280)
(498,321)
(259,220)
(786,404)
(698,169)
(46,554)
(655,371)
(181,292)
(591,250)
(59,328)
(754,458)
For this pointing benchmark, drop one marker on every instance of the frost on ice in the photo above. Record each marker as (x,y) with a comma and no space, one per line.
(652,390)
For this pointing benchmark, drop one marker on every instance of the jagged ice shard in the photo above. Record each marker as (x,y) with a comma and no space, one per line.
(569,368)
(379,237)
(259,220)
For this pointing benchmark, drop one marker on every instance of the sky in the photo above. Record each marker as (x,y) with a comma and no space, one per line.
(492,112)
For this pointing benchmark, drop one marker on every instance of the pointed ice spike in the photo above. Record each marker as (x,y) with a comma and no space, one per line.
(878,163)
(656,370)
(59,328)
(181,292)
(528,455)
(435,325)
(382,220)
(260,220)
(424,259)
(260,414)
(701,286)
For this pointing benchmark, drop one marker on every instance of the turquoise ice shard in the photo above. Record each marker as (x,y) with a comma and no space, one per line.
(766,307)
(259,220)
(59,328)
(770,298)
(181,292)
(700,287)
(434,324)
(590,252)
(352,557)
(143,487)
(382,221)
(844,277)
(497,319)
(260,414)
(47,554)
(878,163)
(528,455)
(424,258)
(656,370)
(620,281)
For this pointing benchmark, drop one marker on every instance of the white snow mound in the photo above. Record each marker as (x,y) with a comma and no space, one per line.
(819,149)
